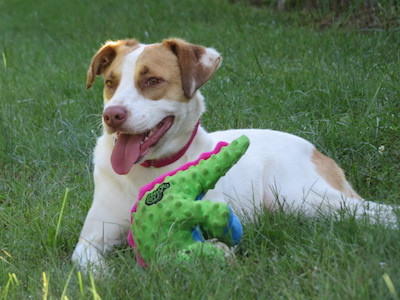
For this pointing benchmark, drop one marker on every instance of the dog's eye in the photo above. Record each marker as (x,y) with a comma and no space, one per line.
(153,81)
(109,83)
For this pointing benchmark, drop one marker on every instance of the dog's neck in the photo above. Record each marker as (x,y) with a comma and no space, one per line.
(181,141)
(158,163)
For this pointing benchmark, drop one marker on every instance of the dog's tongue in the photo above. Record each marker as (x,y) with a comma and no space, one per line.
(126,152)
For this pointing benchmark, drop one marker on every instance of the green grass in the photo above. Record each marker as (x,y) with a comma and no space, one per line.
(338,89)
(354,14)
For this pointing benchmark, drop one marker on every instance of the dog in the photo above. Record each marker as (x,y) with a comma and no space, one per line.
(151,121)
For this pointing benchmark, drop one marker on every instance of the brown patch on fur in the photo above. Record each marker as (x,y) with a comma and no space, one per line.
(106,56)
(193,73)
(333,174)
(158,62)
(111,81)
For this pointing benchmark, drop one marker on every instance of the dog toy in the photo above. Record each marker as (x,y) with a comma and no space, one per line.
(168,220)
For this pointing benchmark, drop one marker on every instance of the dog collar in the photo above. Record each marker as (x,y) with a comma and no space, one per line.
(158,163)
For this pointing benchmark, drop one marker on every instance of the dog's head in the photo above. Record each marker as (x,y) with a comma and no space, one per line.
(151,95)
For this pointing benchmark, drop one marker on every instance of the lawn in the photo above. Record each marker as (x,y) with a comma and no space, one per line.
(337,88)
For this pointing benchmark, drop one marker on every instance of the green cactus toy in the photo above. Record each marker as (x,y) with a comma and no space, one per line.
(167,219)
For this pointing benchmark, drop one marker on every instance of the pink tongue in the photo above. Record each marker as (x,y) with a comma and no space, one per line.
(125,153)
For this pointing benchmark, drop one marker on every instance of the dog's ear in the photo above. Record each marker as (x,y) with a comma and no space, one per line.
(197,64)
(101,61)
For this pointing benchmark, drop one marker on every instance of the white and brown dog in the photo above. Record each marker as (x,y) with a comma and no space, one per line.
(152,108)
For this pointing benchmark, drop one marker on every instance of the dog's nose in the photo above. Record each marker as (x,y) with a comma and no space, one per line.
(114,116)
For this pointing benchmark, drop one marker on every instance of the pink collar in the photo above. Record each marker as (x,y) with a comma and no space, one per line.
(158,163)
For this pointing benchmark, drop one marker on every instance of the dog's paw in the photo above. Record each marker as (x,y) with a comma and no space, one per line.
(88,258)
(229,253)
(382,214)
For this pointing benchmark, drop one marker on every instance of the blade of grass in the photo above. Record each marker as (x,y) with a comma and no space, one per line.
(390,285)
(12,281)
(96,296)
(60,216)
(63,296)
(4,61)
(45,288)
(373,100)
(80,281)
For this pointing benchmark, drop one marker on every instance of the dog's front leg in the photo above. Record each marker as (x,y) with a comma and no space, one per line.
(106,224)
(97,238)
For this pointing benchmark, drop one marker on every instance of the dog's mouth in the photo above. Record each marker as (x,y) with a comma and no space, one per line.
(131,148)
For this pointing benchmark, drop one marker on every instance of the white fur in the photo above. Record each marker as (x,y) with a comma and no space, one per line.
(276,171)
(209,58)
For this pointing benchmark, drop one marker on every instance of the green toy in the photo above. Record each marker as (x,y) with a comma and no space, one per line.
(167,219)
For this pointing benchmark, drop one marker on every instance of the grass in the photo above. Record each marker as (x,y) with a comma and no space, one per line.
(339,89)
(355,14)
